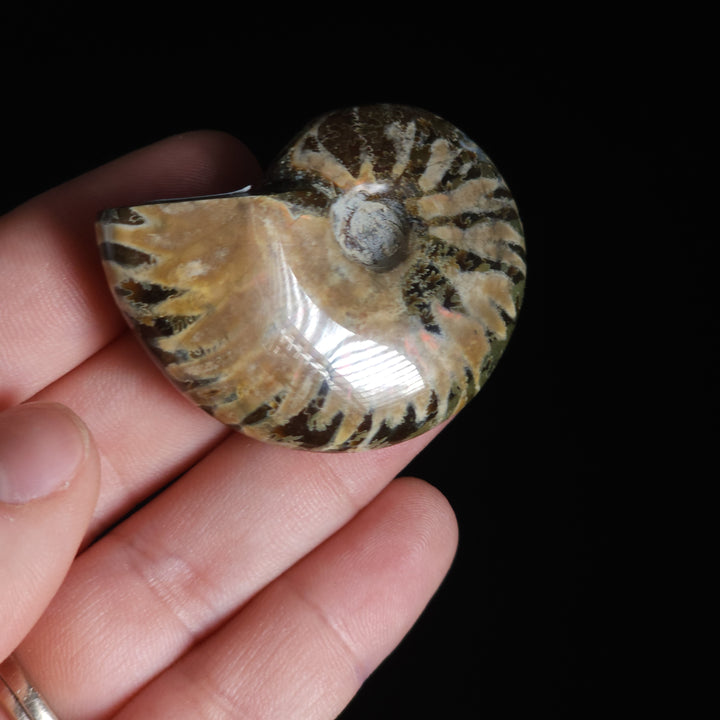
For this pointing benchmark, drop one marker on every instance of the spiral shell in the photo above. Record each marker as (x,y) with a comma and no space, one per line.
(360,297)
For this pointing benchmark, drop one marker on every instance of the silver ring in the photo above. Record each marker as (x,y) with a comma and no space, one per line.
(18,697)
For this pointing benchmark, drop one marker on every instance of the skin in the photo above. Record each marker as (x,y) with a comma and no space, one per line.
(182,570)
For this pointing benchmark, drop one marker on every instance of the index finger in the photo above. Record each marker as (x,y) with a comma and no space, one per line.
(56,308)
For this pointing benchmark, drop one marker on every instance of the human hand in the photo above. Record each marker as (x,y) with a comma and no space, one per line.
(216,576)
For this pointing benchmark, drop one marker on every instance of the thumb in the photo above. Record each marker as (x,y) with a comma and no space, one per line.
(49,479)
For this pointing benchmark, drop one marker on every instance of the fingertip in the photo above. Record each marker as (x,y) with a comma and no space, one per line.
(195,162)
(429,506)
(187,164)
(42,446)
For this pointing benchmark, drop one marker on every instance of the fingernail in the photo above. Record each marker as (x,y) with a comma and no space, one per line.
(41,447)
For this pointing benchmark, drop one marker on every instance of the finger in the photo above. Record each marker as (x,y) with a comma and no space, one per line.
(155,585)
(49,479)
(303,647)
(57,310)
(146,432)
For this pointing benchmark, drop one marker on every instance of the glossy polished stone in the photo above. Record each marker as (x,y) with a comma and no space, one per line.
(358,298)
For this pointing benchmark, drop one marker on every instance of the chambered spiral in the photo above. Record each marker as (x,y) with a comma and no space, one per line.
(359,297)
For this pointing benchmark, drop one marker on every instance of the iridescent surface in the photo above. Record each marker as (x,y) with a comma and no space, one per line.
(358,298)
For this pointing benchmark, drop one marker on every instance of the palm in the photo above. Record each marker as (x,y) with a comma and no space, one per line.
(256,581)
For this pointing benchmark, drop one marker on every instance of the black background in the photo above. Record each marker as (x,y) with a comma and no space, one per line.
(553,470)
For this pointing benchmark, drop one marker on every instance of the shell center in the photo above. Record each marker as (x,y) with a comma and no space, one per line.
(371,226)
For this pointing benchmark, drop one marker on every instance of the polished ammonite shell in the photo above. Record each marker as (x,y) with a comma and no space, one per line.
(359,297)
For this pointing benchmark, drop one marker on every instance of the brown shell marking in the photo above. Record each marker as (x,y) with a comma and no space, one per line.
(362,296)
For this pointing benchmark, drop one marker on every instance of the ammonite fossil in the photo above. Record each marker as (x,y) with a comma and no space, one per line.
(359,297)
